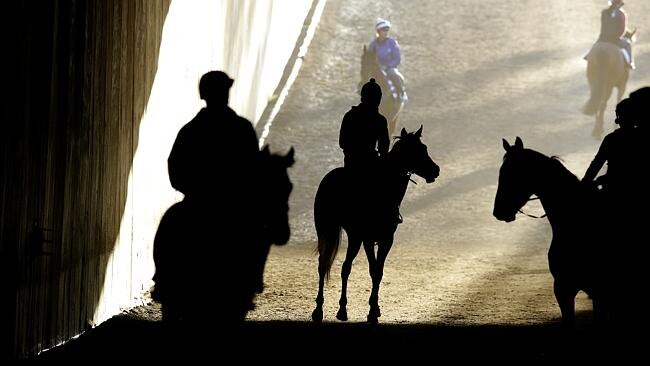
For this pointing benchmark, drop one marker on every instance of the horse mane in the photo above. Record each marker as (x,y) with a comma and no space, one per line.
(553,166)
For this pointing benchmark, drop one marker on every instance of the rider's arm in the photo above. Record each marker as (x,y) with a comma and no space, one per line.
(622,22)
(178,164)
(598,162)
(383,139)
(344,135)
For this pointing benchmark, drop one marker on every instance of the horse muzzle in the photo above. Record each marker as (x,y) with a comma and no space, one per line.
(504,217)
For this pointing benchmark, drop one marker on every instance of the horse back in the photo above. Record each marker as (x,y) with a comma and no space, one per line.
(605,56)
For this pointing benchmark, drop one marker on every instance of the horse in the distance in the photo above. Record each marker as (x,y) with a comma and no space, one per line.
(365,210)
(576,255)
(606,69)
(195,253)
(391,103)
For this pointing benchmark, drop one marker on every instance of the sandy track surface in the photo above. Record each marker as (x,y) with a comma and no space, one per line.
(476,71)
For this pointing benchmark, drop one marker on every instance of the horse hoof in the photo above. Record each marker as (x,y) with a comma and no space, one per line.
(342,315)
(317,315)
(372,319)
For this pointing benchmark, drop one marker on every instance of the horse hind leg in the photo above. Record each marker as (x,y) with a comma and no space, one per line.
(374,312)
(599,128)
(354,245)
(622,85)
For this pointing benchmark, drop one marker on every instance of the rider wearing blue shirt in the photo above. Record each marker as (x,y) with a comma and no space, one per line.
(388,55)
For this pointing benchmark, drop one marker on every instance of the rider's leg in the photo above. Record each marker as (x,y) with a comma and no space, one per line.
(626,45)
(397,79)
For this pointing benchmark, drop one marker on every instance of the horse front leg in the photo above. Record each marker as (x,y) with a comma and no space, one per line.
(565,297)
(317,314)
(391,126)
(354,245)
(599,126)
(369,248)
(382,253)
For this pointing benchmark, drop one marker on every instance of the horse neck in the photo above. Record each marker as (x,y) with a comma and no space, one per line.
(397,178)
(557,193)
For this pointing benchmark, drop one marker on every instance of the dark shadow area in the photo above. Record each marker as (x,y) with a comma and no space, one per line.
(222,230)
(597,224)
(123,338)
(80,76)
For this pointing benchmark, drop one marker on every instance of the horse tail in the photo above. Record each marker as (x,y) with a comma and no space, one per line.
(596,75)
(326,219)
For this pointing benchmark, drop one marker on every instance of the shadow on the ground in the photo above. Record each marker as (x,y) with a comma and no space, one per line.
(123,338)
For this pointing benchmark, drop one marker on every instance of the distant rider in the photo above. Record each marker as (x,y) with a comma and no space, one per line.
(613,29)
(388,55)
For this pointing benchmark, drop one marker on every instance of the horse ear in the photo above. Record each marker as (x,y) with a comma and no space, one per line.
(403,133)
(518,143)
(289,158)
(506,145)
(418,133)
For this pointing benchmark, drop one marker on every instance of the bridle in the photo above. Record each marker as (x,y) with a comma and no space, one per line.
(529,215)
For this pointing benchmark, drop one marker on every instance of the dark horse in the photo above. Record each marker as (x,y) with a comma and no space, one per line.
(195,253)
(606,70)
(391,104)
(575,258)
(336,208)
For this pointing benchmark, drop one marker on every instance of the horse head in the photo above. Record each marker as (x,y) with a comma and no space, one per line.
(275,199)
(411,155)
(515,182)
(369,66)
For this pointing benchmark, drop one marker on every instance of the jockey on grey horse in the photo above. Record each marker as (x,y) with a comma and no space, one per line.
(613,29)
(389,57)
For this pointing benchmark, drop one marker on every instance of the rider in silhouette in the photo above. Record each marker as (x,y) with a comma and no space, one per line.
(214,161)
(365,141)
(618,149)
(216,141)
(613,29)
(388,55)
(364,131)
(641,98)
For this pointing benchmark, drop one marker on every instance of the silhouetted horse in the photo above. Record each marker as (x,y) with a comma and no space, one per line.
(606,70)
(576,259)
(391,104)
(369,220)
(194,253)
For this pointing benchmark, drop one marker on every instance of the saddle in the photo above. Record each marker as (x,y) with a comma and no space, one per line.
(368,200)
(625,53)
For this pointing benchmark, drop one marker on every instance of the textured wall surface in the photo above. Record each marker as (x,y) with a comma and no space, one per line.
(97,93)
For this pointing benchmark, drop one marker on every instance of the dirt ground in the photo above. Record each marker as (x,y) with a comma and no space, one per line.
(476,72)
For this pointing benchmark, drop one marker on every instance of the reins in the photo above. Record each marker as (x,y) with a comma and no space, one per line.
(529,215)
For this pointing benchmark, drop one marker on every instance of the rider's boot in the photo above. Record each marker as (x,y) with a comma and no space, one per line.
(404,97)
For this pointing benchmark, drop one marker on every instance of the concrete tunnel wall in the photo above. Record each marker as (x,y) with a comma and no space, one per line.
(99,91)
